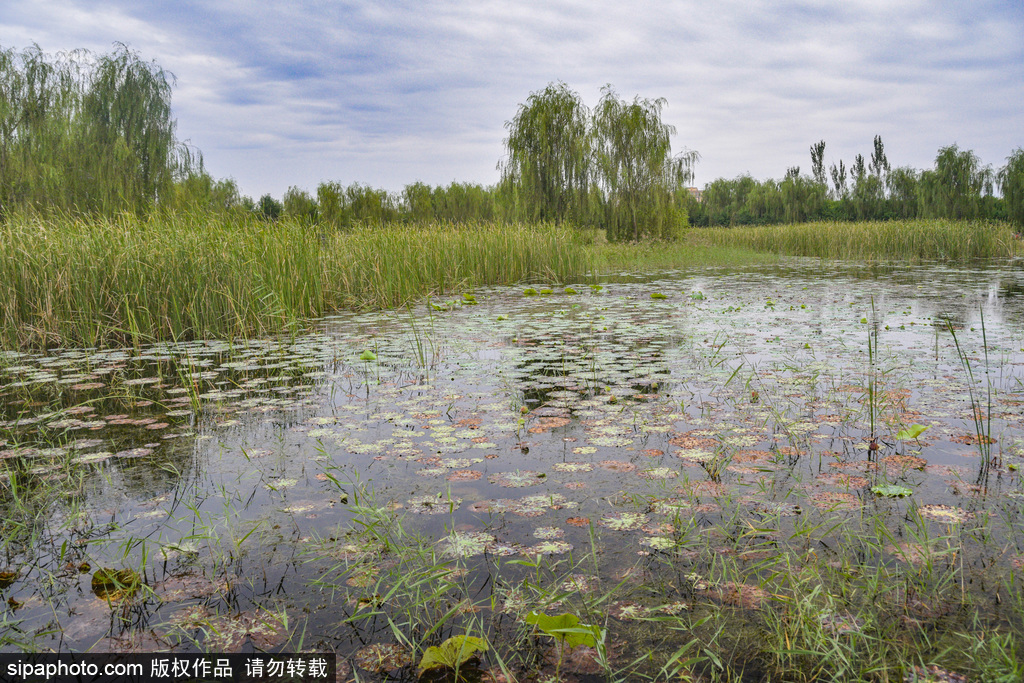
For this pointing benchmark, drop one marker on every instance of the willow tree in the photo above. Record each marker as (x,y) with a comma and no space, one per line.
(636,168)
(549,154)
(129,132)
(38,99)
(1011,181)
(86,133)
(955,187)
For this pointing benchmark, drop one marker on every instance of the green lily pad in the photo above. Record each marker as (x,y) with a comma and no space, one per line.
(367,356)
(911,432)
(891,490)
(566,628)
(658,295)
(452,653)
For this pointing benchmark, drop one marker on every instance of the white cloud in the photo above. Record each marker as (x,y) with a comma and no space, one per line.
(388,93)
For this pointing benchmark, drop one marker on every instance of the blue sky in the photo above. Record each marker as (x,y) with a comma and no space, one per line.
(388,93)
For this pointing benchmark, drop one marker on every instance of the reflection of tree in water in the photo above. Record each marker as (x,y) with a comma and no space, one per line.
(83,434)
(586,366)
(943,321)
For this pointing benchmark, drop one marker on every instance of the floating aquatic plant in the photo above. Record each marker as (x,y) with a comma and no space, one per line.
(911,432)
(891,490)
(452,653)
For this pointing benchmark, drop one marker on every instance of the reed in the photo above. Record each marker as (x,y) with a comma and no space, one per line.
(69,280)
(876,240)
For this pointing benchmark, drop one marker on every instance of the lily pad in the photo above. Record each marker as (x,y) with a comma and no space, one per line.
(452,653)
(565,628)
(891,490)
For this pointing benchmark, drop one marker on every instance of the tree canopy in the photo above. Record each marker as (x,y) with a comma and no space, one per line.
(87,133)
(611,167)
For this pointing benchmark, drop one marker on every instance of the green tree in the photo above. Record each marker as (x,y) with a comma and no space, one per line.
(299,205)
(269,208)
(549,155)
(88,134)
(637,169)
(802,198)
(818,162)
(1011,183)
(954,188)
(330,199)
(764,203)
(199,191)
(879,163)
(417,204)
(838,174)
(126,110)
(902,185)
(718,200)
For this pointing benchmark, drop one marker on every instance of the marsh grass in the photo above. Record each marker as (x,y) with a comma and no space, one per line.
(875,240)
(826,605)
(691,251)
(70,281)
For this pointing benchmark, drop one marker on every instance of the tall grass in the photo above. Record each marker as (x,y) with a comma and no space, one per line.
(876,240)
(76,281)
(690,252)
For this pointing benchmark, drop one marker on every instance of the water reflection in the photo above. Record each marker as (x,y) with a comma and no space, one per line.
(216,465)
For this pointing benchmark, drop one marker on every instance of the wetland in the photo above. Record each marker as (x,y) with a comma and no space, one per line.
(794,470)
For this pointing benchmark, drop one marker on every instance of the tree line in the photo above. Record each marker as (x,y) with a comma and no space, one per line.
(958,187)
(94,135)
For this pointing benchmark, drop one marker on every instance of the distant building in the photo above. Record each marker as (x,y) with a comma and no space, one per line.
(695,193)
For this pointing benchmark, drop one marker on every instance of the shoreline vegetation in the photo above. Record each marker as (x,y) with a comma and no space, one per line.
(72,281)
(114,235)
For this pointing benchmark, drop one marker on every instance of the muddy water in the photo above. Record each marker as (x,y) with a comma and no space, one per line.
(604,423)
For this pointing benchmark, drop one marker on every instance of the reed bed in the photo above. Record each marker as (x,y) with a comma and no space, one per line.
(94,282)
(876,240)
(690,252)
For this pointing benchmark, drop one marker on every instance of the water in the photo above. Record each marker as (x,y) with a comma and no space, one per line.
(629,442)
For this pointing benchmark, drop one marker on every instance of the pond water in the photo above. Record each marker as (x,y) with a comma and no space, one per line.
(711,451)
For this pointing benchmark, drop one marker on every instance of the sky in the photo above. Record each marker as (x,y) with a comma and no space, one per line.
(386,93)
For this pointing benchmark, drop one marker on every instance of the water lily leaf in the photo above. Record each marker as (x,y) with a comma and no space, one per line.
(658,295)
(530,291)
(566,628)
(367,356)
(891,490)
(911,432)
(452,653)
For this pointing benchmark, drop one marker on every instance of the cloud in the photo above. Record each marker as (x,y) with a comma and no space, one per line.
(388,93)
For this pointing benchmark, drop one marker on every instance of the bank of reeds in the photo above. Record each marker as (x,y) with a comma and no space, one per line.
(689,252)
(876,240)
(94,282)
